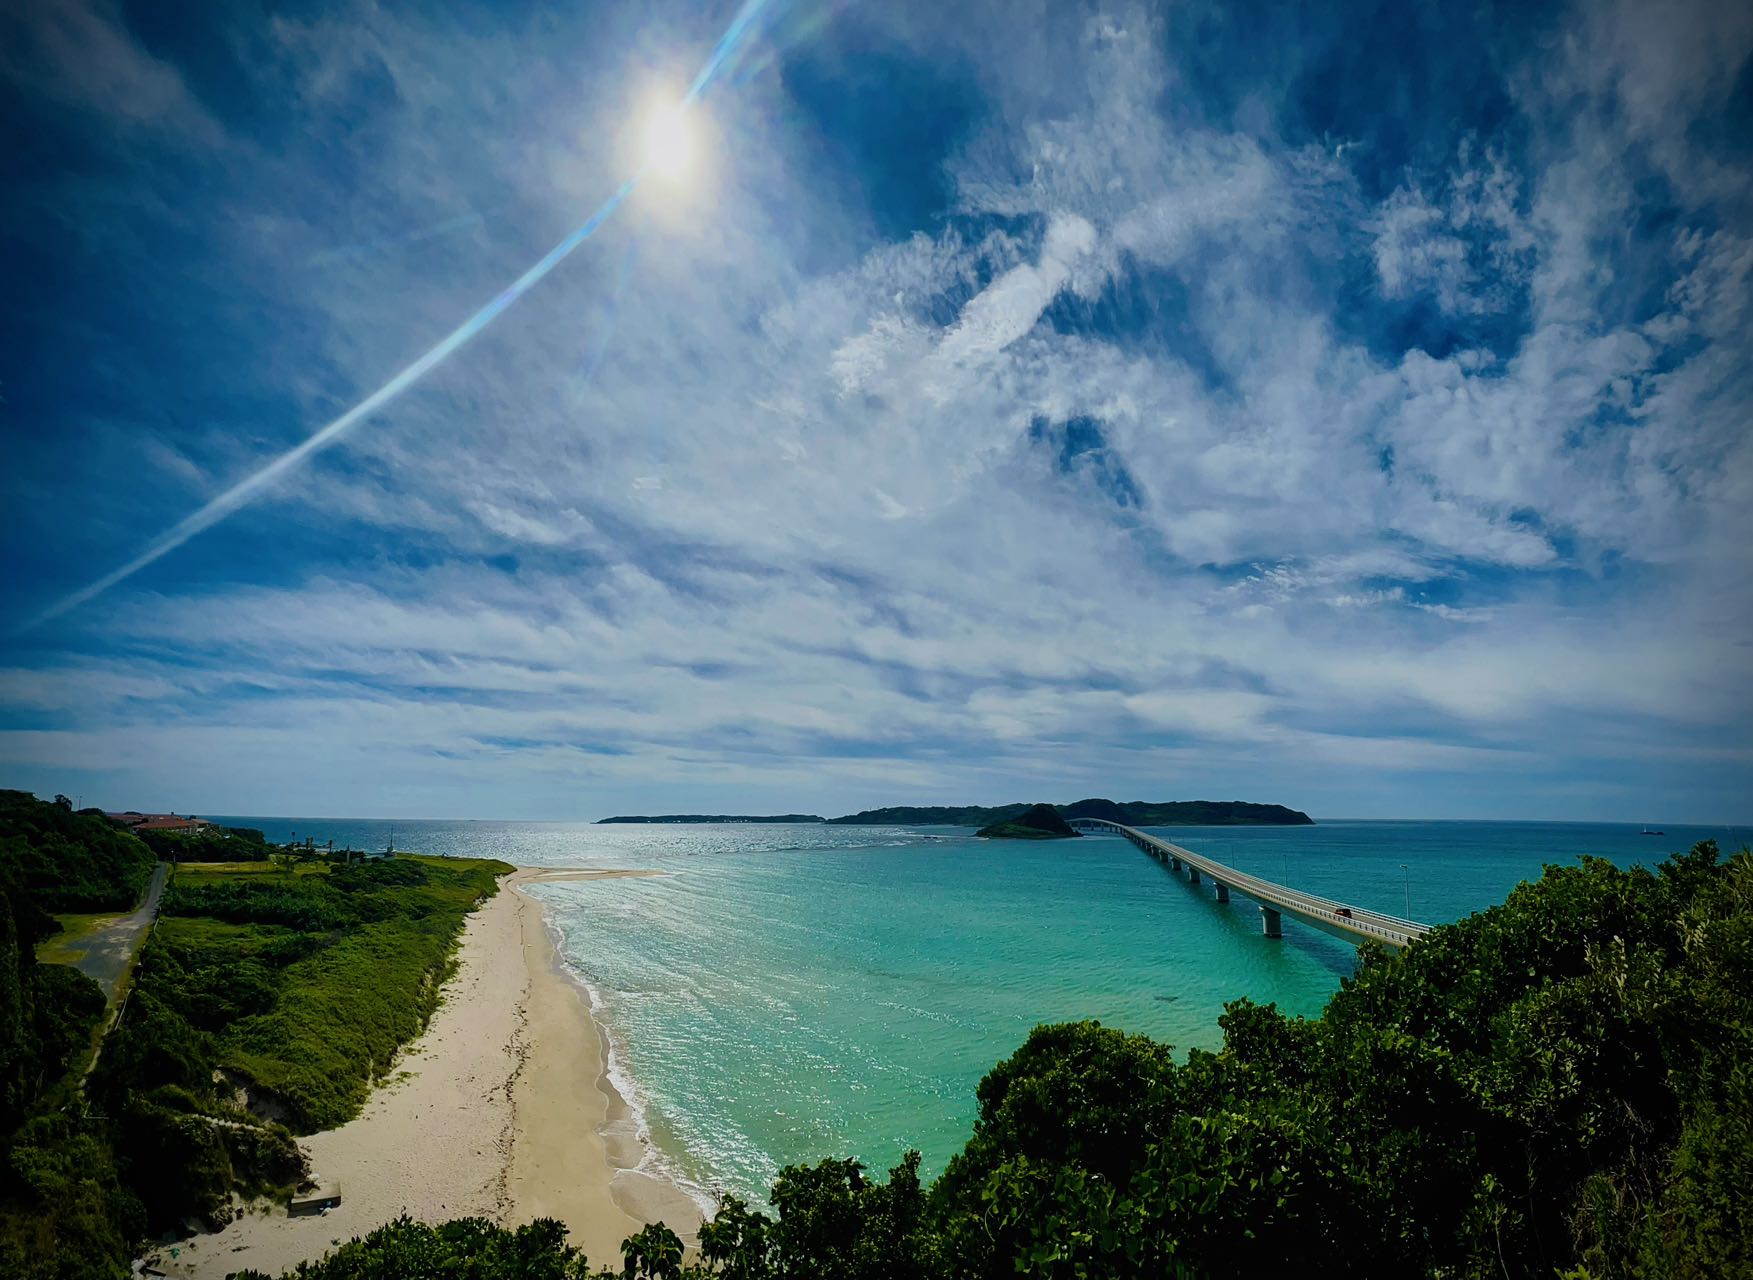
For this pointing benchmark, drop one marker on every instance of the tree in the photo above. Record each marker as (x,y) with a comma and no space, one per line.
(653,1253)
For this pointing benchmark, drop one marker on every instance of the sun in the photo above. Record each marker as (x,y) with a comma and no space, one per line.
(670,143)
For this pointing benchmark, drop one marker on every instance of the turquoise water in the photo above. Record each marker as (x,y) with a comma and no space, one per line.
(793,992)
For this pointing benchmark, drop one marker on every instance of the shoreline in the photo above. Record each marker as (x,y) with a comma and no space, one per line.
(502,1108)
(602,1189)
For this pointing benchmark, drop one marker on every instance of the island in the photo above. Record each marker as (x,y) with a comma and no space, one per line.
(1188,813)
(1133,813)
(713,817)
(930,815)
(1038,822)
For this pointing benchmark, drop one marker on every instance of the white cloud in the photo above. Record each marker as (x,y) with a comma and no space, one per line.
(1009,307)
(83,54)
(1471,251)
(787,537)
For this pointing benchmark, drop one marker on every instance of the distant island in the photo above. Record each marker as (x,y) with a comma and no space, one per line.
(1188,813)
(1133,813)
(1039,822)
(930,816)
(716,817)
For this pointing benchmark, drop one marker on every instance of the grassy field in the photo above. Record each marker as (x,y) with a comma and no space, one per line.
(68,946)
(304,983)
(195,871)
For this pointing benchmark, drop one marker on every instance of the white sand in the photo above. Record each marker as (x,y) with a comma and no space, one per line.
(499,1110)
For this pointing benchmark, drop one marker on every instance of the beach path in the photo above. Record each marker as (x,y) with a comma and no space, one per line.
(104,948)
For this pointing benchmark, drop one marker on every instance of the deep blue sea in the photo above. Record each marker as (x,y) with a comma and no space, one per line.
(793,992)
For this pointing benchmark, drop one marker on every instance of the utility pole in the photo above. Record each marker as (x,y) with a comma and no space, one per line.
(1407,875)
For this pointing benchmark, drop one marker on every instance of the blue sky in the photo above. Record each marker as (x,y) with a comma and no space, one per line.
(1337,405)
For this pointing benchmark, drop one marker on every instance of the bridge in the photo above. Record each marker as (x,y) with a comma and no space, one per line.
(1276,900)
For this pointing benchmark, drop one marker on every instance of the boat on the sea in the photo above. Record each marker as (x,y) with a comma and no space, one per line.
(1648,832)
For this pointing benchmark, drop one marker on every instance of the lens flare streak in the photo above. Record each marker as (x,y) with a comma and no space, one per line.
(243,492)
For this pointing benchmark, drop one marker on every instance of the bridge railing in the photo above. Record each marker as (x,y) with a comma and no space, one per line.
(1392,929)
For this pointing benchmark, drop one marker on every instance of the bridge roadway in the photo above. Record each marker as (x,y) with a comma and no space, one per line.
(1276,900)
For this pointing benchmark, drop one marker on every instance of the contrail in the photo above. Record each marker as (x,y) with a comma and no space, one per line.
(364,248)
(246,489)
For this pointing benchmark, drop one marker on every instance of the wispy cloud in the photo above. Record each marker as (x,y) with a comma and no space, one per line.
(1179,449)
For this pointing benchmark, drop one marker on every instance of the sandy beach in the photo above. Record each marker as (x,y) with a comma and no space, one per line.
(502,1109)
(593,1184)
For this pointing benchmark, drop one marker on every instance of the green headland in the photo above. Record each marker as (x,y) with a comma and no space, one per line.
(1038,822)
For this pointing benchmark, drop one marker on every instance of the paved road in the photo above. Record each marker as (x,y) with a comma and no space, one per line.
(110,950)
(1334,917)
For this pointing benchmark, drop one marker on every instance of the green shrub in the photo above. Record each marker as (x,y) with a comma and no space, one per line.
(70,861)
(342,1015)
(1559,1086)
(176,1161)
(1558,1082)
(465,1249)
(65,1214)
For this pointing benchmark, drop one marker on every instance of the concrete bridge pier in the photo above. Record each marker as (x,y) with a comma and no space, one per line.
(1273,900)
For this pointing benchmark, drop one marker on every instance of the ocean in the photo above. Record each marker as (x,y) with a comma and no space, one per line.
(791,992)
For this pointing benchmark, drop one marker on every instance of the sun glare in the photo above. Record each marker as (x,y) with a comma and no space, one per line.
(669,143)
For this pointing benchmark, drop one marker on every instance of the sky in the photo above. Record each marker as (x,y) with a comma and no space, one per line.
(1339,405)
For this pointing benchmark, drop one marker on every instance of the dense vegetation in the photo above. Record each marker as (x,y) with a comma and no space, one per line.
(299,986)
(1188,813)
(59,1194)
(1040,822)
(67,861)
(1560,1087)
(931,815)
(211,844)
(267,998)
